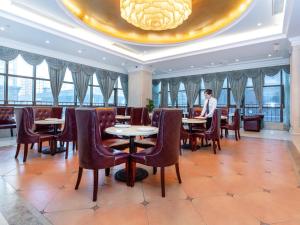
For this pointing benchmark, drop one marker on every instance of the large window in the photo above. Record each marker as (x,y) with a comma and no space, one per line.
(120,97)
(97,94)
(43,87)
(67,93)
(182,99)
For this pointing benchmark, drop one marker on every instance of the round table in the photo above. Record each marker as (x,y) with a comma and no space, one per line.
(55,122)
(131,132)
(190,122)
(122,117)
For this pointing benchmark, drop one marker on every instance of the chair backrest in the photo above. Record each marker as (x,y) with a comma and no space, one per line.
(24,129)
(128,111)
(69,132)
(92,154)
(30,120)
(214,130)
(155,117)
(6,115)
(225,111)
(57,111)
(236,119)
(195,111)
(145,117)
(168,137)
(106,118)
(136,116)
(121,111)
(41,113)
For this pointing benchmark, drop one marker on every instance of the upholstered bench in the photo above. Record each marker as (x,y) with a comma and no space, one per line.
(252,123)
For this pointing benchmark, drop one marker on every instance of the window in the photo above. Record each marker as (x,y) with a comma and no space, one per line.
(2,66)
(19,90)
(251,104)
(97,94)
(18,66)
(223,99)
(87,99)
(43,87)
(1,89)
(182,99)
(67,93)
(120,94)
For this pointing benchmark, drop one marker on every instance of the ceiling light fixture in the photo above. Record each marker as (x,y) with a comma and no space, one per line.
(79,51)
(259,24)
(156,14)
(237,60)
(270,55)
(2,28)
(47,42)
(103,58)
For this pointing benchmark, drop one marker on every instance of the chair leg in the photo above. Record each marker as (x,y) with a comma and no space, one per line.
(107,171)
(40,146)
(239,134)
(74,145)
(11,132)
(226,132)
(219,146)
(32,145)
(214,146)
(25,152)
(154,170)
(236,137)
(178,172)
(95,185)
(67,150)
(221,135)
(162,181)
(78,178)
(18,150)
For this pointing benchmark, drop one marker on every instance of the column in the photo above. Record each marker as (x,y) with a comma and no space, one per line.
(295,87)
(139,86)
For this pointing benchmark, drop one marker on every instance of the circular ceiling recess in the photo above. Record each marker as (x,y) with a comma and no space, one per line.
(170,22)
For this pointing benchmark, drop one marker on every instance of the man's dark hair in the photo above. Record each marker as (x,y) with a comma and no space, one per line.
(208,91)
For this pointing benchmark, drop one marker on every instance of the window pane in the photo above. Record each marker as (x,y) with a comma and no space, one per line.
(271,114)
(222,101)
(42,70)
(169,99)
(225,83)
(95,81)
(250,98)
(97,96)
(232,102)
(181,87)
(271,96)
(202,84)
(18,66)
(87,97)
(119,85)
(1,89)
(121,98)
(19,90)
(66,96)
(43,93)
(2,66)
(111,100)
(202,98)
(68,76)
(182,100)
(249,82)
(275,80)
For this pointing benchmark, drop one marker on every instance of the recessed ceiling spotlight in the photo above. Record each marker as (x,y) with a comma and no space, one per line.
(103,58)
(123,64)
(2,28)
(79,51)
(259,24)
(192,66)
(237,60)
(170,70)
(212,63)
(270,55)
(47,42)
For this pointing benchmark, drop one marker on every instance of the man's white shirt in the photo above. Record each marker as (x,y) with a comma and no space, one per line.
(212,106)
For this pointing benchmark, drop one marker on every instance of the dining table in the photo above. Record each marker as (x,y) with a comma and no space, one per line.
(55,123)
(190,122)
(131,132)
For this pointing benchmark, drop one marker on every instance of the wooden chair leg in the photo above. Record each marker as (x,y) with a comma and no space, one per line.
(239,134)
(219,146)
(78,178)
(67,150)
(154,170)
(162,181)
(221,135)
(95,192)
(178,172)
(107,171)
(11,132)
(40,146)
(214,146)
(236,137)
(18,150)
(32,145)
(25,152)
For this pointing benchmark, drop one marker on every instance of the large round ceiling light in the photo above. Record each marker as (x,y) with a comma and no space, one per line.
(155,15)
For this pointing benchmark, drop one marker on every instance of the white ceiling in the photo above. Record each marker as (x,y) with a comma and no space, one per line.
(29,23)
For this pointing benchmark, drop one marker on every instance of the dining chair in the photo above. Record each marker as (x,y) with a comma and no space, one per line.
(213,133)
(69,133)
(136,116)
(93,155)
(166,151)
(234,126)
(25,133)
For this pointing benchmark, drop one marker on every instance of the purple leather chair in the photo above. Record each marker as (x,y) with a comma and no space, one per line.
(166,151)
(235,126)
(25,134)
(69,133)
(136,116)
(93,155)
(6,119)
(213,133)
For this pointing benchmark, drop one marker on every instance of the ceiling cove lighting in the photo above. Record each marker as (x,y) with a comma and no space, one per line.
(155,15)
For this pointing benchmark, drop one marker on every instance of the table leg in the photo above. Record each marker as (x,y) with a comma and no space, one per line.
(56,150)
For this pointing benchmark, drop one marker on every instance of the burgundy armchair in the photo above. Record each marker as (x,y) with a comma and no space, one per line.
(25,134)
(194,112)
(166,151)
(252,123)
(69,133)
(7,120)
(121,111)
(93,155)
(136,115)
(107,118)
(234,126)
(213,133)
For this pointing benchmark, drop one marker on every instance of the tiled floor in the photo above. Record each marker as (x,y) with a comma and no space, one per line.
(250,182)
